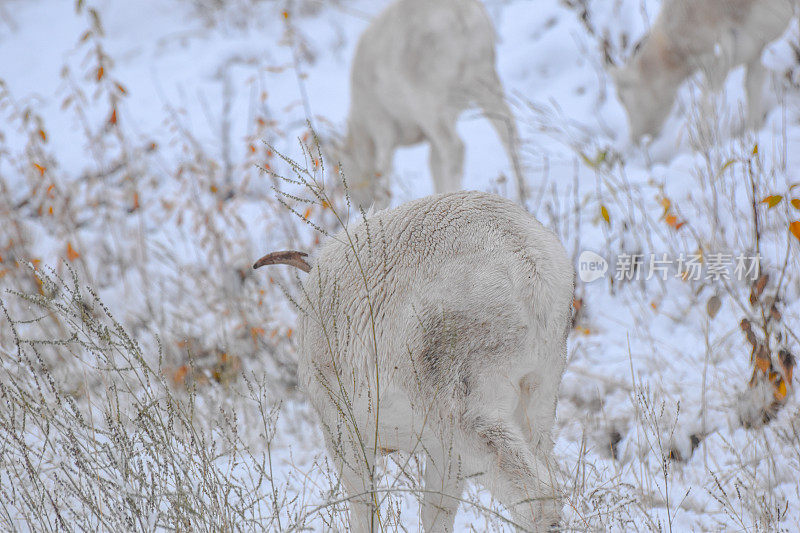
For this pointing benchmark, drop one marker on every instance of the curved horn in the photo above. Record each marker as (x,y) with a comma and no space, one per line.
(289,257)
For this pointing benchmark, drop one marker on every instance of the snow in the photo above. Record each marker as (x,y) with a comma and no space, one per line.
(648,369)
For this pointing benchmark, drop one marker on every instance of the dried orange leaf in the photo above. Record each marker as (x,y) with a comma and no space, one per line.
(780,390)
(794,227)
(762,363)
(113,118)
(43,135)
(307,214)
(772,200)
(713,305)
(796,203)
(40,168)
(72,255)
(100,73)
(180,375)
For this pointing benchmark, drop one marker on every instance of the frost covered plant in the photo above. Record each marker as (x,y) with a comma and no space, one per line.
(92,435)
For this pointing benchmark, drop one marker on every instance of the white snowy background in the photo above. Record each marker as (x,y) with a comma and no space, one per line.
(133,141)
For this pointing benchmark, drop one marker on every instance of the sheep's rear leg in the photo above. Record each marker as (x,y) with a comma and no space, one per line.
(536,411)
(522,479)
(492,102)
(444,485)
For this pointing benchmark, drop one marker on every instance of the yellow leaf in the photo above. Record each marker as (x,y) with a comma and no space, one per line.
(755,149)
(597,161)
(780,390)
(726,165)
(604,214)
(794,227)
(665,203)
(72,255)
(307,214)
(796,203)
(772,200)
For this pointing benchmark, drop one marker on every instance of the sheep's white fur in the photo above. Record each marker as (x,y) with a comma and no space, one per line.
(714,36)
(444,323)
(417,67)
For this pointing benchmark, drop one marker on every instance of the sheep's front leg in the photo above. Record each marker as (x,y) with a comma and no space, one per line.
(446,156)
(754,87)
(355,464)
(444,485)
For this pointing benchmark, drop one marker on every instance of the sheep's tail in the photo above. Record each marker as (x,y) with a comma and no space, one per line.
(289,257)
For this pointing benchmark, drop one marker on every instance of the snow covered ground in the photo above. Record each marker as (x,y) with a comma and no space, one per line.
(133,140)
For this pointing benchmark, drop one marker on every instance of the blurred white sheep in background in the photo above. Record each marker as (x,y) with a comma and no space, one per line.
(417,68)
(714,36)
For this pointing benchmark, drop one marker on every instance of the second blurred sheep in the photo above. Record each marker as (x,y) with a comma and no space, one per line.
(714,36)
(417,67)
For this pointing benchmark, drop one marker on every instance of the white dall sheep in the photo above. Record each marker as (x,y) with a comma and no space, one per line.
(417,67)
(714,36)
(439,327)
